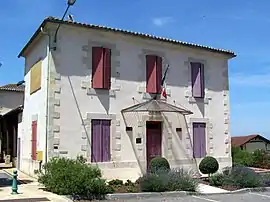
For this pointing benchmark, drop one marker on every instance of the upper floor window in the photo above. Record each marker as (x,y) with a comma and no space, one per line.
(197,79)
(101,68)
(35,77)
(153,73)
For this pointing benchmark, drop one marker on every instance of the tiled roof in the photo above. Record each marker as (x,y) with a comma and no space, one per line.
(12,87)
(138,34)
(241,140)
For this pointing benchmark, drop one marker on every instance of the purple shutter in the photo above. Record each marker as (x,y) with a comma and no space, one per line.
(199,148)
(106,154)
(96,141)
(197,78)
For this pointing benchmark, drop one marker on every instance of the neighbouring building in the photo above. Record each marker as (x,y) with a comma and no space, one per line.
(11,101)
(95,91)
(251,142)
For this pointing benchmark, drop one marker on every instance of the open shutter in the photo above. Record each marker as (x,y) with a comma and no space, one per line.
(34,140)
(107,69)
(96,141)
(159,73)
(106,152)
(197,77)
(151,74)
(97,67)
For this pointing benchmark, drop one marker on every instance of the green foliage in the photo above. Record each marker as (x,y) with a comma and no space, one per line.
(174,180)
(217,179)
(116,182)
(238,176)
(259,158)
(241,157)
(65,176)
(209,165)
(243,177)
(158,164)
(179,180)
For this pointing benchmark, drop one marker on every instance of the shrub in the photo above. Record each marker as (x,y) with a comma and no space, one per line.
(174,180)
(209,165)
(260,159)
(217,179)
(179,180)
(241,157)
(159,164)
(152,182)
(243,177)
(116,182)
(65,176)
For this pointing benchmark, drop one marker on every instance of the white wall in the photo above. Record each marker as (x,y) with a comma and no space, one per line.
(34,108)
(11,99)
(73,64)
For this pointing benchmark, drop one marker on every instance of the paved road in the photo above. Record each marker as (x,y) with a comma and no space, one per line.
(246,197)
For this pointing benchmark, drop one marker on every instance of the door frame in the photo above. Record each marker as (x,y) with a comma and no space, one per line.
(160,123)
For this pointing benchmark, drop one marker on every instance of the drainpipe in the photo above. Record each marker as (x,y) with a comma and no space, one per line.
(47,93)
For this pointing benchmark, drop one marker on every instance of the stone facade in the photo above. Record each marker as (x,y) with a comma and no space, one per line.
(73,103)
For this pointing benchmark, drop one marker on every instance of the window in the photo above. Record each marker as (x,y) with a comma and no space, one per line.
(35,77)
(197,79)
(153,73)
(34,140)
(199,148)
(100,140)
(101,68)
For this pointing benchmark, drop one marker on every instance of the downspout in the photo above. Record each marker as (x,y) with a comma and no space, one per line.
(47,93)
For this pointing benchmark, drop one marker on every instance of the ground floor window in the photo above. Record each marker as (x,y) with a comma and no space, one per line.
(100,140)
(199,140)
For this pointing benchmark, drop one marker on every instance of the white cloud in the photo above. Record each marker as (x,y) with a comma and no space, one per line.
(256,80)
(160,21)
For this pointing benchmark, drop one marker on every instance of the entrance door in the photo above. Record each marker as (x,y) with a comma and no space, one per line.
(153,140)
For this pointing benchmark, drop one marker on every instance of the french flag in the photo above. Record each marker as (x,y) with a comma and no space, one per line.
(163,84)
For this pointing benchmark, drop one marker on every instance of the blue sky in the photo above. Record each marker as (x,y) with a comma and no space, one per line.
(242,26)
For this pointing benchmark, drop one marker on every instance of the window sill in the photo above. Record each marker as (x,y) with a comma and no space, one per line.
(96,92)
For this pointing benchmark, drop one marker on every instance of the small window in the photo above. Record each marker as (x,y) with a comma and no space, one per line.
(179,133)
(138,140)
(129,129)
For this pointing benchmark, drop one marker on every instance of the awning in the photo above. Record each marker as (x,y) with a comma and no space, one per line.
(7,111)
(156,105)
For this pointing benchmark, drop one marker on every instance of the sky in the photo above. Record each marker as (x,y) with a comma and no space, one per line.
(242,26)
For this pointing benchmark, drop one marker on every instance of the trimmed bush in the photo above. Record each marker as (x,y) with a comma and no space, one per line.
(159,164)
(65,176)
(209,165)
(174,180)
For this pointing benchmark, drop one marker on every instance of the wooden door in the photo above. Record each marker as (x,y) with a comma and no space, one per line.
(153,140)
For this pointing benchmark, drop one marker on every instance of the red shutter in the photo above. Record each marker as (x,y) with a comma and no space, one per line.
(97,67)
(159,73)
(34,140)
(151,74)
(107,69)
